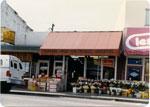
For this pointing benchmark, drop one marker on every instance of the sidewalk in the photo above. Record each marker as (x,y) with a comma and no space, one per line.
(80,95)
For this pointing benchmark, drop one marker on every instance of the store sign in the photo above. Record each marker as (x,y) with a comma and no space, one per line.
(137,41)
(109,62)
(7,36)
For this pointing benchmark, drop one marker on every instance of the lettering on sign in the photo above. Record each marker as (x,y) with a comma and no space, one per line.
(141,41)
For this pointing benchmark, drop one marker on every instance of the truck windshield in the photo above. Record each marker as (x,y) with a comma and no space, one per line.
(1,62)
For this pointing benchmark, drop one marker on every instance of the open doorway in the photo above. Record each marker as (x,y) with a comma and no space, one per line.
(75,70)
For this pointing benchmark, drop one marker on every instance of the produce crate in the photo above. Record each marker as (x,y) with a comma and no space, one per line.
(124,93)
(145,95)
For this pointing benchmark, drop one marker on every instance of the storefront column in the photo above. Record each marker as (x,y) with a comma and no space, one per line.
(116,58)
(63,72)
(101,68)
(126,68)
(143,69)
(66,72)
(85,67)
(30,69)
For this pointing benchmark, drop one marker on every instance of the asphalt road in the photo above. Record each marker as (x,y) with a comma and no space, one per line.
(47,101)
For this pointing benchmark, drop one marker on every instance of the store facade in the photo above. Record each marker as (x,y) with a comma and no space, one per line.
(137,46)
(92,55)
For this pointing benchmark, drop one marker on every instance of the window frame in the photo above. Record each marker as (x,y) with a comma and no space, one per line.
(147,17)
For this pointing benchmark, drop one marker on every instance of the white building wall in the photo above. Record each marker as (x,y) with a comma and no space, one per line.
(11,20)
(31,38)
(136,13)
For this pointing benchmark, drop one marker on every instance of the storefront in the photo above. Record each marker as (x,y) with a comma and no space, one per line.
(25,54)
(137,45)
(91,55)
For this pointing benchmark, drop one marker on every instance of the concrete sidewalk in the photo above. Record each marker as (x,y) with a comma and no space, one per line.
(80,95)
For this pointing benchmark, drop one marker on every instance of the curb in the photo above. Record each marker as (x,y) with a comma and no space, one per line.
(145,101)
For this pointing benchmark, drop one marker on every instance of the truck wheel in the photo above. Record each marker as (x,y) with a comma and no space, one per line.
(5,87)
(8,88)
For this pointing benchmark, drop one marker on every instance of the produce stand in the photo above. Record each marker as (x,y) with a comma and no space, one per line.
(138,89)
(45,83)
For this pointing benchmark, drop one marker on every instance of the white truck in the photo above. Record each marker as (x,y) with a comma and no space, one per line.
(11,72)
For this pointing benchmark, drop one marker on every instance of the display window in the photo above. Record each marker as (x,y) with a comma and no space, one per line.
(134,73)
(94,68)
(26,66)
(135,61)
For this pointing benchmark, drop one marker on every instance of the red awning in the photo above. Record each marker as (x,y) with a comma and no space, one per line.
(82,43)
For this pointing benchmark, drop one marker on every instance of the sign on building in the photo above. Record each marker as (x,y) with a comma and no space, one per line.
(137,41)
(7,35)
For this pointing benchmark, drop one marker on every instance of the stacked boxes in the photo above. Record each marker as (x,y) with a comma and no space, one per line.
(54,85)
(32,85)
(125,93)
(42,85)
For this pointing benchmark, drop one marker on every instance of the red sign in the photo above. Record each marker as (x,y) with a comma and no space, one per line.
(137,41)
(109,62)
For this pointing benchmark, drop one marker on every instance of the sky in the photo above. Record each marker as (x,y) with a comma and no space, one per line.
(71,15)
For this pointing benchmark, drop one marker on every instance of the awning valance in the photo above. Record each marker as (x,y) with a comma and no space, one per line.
(82,43)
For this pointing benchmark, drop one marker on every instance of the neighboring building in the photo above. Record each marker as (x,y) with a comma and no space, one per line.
(136,13)
(13,22)
(136,40)
(24,43)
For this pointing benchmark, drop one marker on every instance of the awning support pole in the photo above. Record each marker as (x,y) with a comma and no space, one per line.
(85,66)
(143,68)
(116,58)
(101,78)
(125,78)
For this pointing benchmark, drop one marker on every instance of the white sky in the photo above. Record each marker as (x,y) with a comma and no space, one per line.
(70,15)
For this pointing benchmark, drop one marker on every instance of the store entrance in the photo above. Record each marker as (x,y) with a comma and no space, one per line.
(75,70)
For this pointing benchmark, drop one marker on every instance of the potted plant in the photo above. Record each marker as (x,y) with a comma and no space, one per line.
(85,87)
(93,89)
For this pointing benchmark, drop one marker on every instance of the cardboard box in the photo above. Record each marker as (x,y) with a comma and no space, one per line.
(52,90)
(53,86)
(43,80)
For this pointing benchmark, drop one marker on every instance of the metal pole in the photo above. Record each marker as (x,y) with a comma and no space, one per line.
(66,73)
(116,58)
(85,66)
(143,68)
(101,68)
(98,67)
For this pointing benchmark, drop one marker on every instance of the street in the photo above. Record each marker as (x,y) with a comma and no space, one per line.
(17,100)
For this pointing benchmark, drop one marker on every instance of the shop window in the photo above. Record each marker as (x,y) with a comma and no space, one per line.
(135,61)
(33,70)
(134,73)
(1,62)
(147,22)
(108,73)
(108,70)
(93,68)
(26,66)
(59,58)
